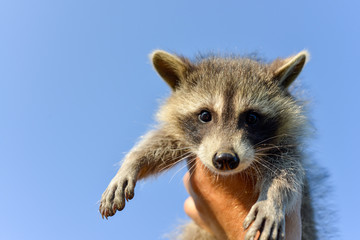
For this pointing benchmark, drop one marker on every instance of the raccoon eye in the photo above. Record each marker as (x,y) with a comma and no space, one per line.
(205,116)
(252,118)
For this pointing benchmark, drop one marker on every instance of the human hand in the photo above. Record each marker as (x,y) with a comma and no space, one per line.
(219,204)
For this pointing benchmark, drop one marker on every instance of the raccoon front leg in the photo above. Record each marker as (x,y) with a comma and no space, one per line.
(277,198)
(157,151)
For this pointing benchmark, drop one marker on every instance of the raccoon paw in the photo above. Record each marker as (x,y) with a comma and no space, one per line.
(266,219)
(113,199)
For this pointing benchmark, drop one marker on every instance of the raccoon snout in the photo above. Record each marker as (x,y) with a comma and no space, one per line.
(225,161)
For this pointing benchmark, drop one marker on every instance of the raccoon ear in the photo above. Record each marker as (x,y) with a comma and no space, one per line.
(171,68)
(288,69)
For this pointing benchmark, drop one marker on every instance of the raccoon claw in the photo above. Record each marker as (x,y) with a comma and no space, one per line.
(113,199)
(270,222)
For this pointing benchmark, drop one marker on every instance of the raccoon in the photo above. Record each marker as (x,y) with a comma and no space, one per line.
(236,115)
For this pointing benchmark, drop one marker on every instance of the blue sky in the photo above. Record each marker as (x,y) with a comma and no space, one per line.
(77,90)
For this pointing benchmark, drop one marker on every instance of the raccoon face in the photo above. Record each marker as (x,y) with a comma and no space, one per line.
(229,111)
(232,147)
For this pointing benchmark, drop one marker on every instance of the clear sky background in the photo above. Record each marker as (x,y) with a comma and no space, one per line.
(77,90)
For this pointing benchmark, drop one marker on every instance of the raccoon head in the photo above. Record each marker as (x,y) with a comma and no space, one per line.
(232,112)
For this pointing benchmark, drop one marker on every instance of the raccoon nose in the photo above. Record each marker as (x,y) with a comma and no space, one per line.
(225,161)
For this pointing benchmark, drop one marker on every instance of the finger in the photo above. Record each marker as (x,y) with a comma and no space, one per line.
(186,181)
(193,213)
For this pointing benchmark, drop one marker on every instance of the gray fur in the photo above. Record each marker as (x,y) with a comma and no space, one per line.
(230,88)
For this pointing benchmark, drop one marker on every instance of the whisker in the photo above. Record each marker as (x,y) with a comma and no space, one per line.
(264,146)
(180,158)
(178,171)
(193,167)
(177,149)
(262,163)
(269,154)
(263,149)
(273,137)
